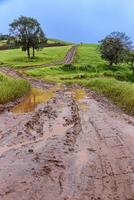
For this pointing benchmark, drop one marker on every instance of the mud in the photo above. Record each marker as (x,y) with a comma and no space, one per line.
(75,146)
(35,97)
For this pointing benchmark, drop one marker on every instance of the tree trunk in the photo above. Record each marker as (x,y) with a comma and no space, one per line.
(33,51)
(28,52)
(110,64)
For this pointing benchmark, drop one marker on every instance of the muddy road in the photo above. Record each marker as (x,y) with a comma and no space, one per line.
(71,145)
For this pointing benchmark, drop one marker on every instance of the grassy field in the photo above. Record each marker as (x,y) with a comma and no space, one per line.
(17,58)
(91,71)
(11,89)
(53,41)
(88,54)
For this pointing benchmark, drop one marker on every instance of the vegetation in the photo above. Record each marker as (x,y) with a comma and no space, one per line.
(3,42)
(17,58)
(88,54)
(53,41)
(115,47)
(4,37)
(27,33)
(11,89)
(121,93)
(130,60)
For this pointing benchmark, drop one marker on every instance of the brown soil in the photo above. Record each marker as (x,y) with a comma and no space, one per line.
(77,146)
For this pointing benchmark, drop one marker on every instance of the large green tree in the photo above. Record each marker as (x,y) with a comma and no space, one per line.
(115,47)
(27,33)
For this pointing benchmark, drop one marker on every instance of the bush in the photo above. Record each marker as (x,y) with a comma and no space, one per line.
(11,88)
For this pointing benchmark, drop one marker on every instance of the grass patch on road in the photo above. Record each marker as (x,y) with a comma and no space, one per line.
(11,88)
(18,58)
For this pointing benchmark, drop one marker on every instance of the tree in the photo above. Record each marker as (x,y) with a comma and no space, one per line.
(27,33)
(115,47)
(3,37)
(130,60)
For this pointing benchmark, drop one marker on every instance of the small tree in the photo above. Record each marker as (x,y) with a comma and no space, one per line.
(27,33)
(115,47)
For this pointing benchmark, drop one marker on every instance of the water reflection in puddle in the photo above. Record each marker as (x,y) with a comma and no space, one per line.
(35,97)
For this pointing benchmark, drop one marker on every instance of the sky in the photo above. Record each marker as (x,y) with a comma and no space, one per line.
(86,21)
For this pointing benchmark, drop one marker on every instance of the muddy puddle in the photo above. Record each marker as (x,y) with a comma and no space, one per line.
(35,97)
(80,96)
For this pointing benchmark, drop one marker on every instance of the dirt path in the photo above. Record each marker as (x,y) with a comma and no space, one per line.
(77,146)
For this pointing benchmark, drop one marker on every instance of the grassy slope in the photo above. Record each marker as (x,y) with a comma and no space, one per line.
(89,55)
(16,57)
(53,41)
(11,89)
(91,71)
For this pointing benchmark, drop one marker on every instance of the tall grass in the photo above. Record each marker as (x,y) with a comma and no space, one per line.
(11,88)
(121,93)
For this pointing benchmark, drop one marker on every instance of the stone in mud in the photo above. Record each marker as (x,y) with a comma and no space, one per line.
(30,151)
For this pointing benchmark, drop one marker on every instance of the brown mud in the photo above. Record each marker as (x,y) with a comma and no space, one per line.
(74,146)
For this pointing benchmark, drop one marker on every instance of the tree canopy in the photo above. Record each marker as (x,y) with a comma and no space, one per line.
(115,47)
(27,33)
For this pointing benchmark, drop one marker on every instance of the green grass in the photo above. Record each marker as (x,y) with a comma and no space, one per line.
(88,54)
(11,89)
(88,57)
(17,58)
(53,41)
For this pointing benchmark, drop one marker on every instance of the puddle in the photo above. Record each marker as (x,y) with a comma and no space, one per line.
(80,96)
(35,97)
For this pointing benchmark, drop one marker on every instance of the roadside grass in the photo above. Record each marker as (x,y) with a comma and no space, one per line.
(11,88)
(17,58)
(121,93)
